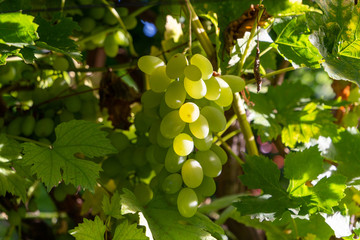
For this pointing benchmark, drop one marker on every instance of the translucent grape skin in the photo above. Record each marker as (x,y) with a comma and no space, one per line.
(150,99)
(187,202)
(192,72)
(158,80)
(215,118)
(212,89)
(226,95)
(200,127)
(148,64)
(204,144)
(183,144)
(176,65)
(189,112)
(143,193)
(111,47)
(207,188)
(220,153)
(195,89)
(236,83)
(192,173)
(203,64)
(172,183)
(173,162)
(175,95)
(171,125)
(28,125)
(210,163)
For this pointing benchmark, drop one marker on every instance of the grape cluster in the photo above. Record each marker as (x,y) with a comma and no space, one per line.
(181,112)
(96,22)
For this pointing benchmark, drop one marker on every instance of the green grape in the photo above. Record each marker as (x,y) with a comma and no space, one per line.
(203,64)
(28,125)
(163,141)
(173,162)
(144,171)
(98,35)
(183,144)
(220,153)
(122,11)
(215,118)
(158,80)
(226,95)
(97,13)
(236,83)
(61,64)
(175,95)
(143,193)
(171,125)
(139,158)
(86,93)
(7,74)
(142,124)
(109,18)
(189,112)
(160,154)
(156,182)
(203,144)
(130,22)
(66,116)
(192,72)
(87,24)
(119,140)
(172,183)
(148,64)
(212,89)
(164,108)
(44,127)
(176,65)
(110,46)
(150,99)
(207,187)
(111,167)
(125,157)
(192,173)
(210,163)
(45,140)
(14,127)
(200,128)
(187,202)
(195,89)
(354,95)
(14,217)
(88,110)
(121,38)
(153,131)
(40,95)
(73,104)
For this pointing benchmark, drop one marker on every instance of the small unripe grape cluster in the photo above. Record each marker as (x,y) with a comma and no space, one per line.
(95,22)
(181,112)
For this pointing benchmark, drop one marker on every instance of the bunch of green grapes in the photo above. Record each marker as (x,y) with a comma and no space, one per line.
(96,22)
(181,112)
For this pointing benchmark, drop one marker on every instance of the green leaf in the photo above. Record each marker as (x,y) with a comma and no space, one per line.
(328,192)
(165,222)
(346,152)
(338,39)
(17,29)
(261,172)
(315,228)
(9,149)
(58,163)
(54,35)
(89,230)
(112,208)
(125,231)
(301,167)
(293,43)
(11,182)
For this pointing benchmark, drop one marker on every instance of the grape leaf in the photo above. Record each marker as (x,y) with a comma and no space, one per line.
(17,29)
(337,37)
(293,43)
(112,208)
(89,230)
(165,222)
(53,164)
(314,228)
(125,231)
(346,153)
(9,149)
(92,201)
(261,172)
(54,35)
(301,167)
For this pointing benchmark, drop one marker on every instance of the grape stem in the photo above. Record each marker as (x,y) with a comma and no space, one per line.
(239,108)
(117,16)
(288,69)
(29,140)
(228,149)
